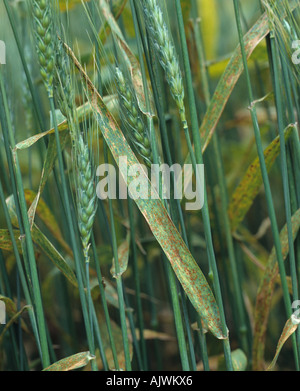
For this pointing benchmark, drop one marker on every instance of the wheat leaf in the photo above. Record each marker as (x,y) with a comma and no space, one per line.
(265,293)
(289,328)
(123,256)
(14,317)
(76,361)
(249,186)
(44,244)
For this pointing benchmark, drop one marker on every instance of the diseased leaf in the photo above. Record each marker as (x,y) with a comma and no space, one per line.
(66,5)
(5,240)
(44,245)
(47,169)
(31,140)
(10,306)
(12,320)
(229,79)
(117,9)
(239,361)
(48,162)
(151,334)
(123,255)
(153,210)
(82,112)
(53,254)
(117,336)
(46,216)
(76,361)
(249,186)
(186,7)
(131,60)
(12,312)
(208,9)
(289,328)
(111,294)
(265,293)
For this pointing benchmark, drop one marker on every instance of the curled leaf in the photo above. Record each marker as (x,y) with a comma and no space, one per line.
(289,328)
(14,317)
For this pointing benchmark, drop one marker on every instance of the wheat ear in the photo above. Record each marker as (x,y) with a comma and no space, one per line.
(44,32)
(163,44)
(133,118)
(86,194)
(63,82)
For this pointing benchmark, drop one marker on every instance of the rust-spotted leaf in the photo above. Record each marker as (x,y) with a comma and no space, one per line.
(117,336)
(250,184)
(123,255)
(6,242)
(289,328)
(229,79)
(71,363)
(265,293)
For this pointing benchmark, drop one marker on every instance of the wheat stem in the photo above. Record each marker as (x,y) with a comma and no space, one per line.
(37,299)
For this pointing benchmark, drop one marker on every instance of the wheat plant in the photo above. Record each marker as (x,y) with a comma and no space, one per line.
(104,281)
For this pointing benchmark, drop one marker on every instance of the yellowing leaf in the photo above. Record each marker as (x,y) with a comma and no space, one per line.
(65,5)
(5,240)
(208,12)
(186,7)
(289,328)
(265,293)
(123,255)
(117,336)
(76,361)
(14,315)
(47,217)
(229,79)
(239,361)
(249,186)
(151,334)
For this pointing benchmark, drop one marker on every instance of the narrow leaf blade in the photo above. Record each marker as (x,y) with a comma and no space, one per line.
(265,293)
(289,328)
(250,184)
(71,363)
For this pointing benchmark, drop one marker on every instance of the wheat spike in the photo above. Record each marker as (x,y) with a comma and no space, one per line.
(86,193)
(165,49)
(136,127)
(45,43)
